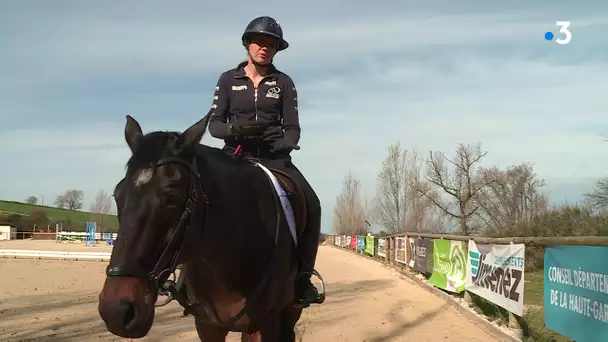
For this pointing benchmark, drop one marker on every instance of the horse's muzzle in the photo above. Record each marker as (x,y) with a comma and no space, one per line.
(126,305)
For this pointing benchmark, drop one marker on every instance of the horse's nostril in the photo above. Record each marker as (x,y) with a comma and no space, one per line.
(129,314)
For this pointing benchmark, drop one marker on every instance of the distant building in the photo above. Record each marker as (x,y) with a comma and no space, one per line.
(8,232)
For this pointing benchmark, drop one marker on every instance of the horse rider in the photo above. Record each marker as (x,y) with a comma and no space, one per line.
(255,112)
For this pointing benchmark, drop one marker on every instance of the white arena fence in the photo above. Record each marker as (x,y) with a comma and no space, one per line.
(57,255)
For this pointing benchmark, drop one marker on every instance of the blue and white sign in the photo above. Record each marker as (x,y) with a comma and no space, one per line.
(576,292)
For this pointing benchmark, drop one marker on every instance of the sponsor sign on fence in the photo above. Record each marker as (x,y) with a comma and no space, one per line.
(381,247)
(369,245)
(411,256)
(496,273)
(576,291)
(400,249)
(424,255)
(353,243)
(360,243)
(449,265)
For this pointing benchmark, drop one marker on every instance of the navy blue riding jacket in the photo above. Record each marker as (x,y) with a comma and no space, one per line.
(274,101)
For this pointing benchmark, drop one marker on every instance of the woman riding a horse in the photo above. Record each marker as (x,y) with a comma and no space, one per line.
(255,112)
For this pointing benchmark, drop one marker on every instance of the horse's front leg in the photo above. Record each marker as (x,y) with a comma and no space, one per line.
(210,333)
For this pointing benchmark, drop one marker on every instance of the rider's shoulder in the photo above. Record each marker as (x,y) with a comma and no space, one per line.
(236,71)
(284,77)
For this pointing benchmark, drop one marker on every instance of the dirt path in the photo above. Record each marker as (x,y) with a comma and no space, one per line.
(57,300)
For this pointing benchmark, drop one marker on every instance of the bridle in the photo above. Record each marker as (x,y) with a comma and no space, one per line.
(171,253)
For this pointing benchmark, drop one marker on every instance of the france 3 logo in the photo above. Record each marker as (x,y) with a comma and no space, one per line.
(564,28)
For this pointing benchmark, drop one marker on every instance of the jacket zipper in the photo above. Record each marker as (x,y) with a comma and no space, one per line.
(256,103)
(255,94)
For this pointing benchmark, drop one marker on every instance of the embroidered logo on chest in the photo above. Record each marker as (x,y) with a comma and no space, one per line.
(273,92)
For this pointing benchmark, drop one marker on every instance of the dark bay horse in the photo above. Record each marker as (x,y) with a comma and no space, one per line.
(183,203)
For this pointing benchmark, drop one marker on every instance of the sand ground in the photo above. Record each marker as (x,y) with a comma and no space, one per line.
(49,300)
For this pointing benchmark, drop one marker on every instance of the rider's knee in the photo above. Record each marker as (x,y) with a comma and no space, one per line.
(314,204)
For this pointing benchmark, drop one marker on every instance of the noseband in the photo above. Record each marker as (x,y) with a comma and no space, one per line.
(171,253)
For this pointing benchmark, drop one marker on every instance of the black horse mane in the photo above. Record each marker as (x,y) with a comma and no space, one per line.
(156,145)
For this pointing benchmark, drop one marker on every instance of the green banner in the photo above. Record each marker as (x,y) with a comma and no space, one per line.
(369,245)
(449,265)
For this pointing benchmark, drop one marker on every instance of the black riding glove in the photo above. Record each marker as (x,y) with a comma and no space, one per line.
(282,145)
(273,133)
(248,129)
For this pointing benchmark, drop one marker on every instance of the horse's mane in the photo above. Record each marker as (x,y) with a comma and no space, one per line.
(155,145)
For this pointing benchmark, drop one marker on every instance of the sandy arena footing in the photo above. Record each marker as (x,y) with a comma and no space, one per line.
(56,300)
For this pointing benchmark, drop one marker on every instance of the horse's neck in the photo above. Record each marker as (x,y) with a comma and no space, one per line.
(233,231)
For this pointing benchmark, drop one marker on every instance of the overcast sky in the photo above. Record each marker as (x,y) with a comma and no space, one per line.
(368,73)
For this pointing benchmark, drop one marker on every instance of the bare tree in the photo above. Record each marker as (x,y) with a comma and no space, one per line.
(598,197)
(350,210)
(420,207)
(512,197)
(71,199)
(391,202)
(31,200)
(461,186)
(102,205)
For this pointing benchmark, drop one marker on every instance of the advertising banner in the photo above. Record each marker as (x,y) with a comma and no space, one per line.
(496,273)
(424,255)
(411,256)
(369,245)
(400,249)
(360,243)
(576,291)
(449,265)
(382,247)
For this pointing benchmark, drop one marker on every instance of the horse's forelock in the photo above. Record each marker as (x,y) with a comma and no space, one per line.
(151,148)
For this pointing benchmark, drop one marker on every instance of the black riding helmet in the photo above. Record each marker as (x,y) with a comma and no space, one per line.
(267,26)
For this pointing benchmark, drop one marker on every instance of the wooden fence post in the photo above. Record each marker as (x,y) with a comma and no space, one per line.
(515,326)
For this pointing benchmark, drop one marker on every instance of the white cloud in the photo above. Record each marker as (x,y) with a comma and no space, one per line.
(365,80)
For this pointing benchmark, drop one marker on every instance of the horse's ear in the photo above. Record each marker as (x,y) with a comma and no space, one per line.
(194,133)
(132,132)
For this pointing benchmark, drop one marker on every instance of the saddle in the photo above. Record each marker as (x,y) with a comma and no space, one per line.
(295,195)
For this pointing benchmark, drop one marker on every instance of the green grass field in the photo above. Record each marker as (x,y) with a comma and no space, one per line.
(110,222)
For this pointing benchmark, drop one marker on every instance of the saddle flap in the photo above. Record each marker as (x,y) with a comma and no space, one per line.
(285,203)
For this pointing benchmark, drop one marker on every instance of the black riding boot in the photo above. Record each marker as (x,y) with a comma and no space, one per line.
(306,292)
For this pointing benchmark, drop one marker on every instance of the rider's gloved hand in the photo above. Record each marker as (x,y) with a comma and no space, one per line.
(248,129)
(273,133)
(282,145)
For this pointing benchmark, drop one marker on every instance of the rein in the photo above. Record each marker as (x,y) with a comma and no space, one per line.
(172,252)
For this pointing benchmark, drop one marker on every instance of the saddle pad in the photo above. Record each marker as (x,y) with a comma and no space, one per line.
(287,209)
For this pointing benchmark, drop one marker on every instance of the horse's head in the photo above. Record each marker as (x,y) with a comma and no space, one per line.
(155,201)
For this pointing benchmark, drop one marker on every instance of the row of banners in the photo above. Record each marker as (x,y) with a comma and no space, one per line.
(575,282)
